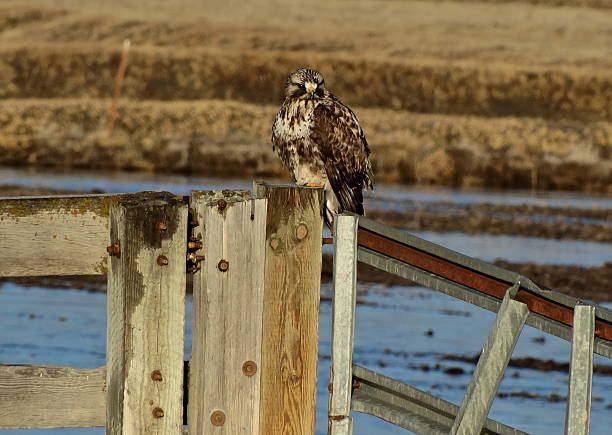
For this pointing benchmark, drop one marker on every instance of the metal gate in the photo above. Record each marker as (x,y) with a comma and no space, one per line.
(516,299)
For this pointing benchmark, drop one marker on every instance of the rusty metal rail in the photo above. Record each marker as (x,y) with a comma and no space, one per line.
(473,280)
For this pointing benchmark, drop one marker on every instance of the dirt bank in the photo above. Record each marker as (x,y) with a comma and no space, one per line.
(416,85)
(221,137)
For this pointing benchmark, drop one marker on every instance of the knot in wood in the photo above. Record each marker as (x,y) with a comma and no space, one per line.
(162,226)
(158,413)
(274,243)
(301,231)
(223,265)
(114,250)
(249,368)
(156,375)
(217,418)
(162,260)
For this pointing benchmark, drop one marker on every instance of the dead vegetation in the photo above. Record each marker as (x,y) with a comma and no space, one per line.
(425,86)
(196,137)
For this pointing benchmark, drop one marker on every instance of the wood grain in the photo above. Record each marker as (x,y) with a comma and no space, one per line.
(291,309)
(227,315)
(146,308)
(54,235)
(35,396)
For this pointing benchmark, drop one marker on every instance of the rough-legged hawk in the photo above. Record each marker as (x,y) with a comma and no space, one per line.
(320,142)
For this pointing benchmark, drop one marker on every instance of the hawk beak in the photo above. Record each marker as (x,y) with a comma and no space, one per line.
(310,87)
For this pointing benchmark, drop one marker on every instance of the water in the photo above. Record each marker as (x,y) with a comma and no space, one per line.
(385,195)
(391,324)
(390,338)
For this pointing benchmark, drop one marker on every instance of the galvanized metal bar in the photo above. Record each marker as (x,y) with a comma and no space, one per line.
(550,311)
(474,297)
(475,265)
(409,407)
(578,412)
(343,325)
(491,366)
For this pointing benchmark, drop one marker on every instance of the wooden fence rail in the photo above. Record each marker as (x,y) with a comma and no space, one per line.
(257,264)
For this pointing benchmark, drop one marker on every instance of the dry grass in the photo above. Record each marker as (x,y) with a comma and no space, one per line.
(417,85)
(226,137)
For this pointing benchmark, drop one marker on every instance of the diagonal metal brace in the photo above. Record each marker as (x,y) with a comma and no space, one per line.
(491,366)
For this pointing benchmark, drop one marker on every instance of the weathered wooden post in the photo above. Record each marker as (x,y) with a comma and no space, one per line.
(291,309)
(225,366)
(146,307)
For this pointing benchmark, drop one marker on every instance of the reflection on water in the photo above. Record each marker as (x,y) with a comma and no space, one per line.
(391,338)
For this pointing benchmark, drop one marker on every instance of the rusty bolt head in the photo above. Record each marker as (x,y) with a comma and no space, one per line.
(162,260)
(156,375)
(217,418)
(194,245)
(301,231)
(114,250)
(162,226)
(158,413)
(221,204)
(223,265)
(249,368)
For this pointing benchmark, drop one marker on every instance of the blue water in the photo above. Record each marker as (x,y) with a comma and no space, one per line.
(68,327)
(383,195)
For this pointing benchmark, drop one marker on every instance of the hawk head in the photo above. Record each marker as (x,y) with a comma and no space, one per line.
(305,83)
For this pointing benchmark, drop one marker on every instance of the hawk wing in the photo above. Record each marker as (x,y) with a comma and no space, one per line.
(344,151)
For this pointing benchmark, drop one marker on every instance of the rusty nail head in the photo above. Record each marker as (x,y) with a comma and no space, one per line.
(223,265)
(194,245)
(114,250)
(221,204)
(217,418)
(162,226)
(249,368)
(328,240)
(158,413)
(156,375)
(162,260)
(301,231)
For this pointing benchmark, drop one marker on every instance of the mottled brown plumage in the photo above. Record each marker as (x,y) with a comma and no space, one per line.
(320,141)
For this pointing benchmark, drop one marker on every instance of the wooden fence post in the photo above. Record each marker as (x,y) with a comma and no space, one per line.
(225,366)
(146,308)
(291,309)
